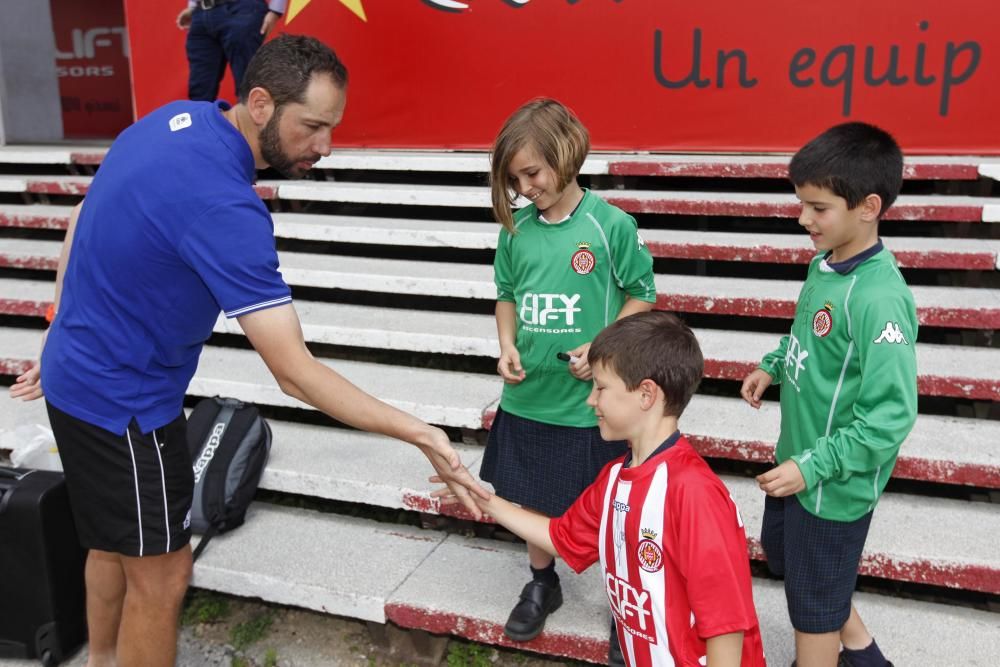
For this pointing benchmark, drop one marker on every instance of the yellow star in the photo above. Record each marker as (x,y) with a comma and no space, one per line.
(296,6)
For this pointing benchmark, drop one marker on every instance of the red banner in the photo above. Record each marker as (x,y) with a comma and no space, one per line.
(716,75)
(92,64)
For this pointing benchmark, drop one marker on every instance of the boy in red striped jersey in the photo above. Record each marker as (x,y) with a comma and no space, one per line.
(664,527)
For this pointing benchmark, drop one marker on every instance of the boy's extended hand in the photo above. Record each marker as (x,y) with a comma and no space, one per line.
(446,495)
(754,386)
(449,470)
(784,480)
(509,367)
(581,367)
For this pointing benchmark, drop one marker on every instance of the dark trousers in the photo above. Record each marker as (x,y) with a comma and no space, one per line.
(229,32)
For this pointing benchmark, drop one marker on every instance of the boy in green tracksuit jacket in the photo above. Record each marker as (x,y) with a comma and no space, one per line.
(848,383)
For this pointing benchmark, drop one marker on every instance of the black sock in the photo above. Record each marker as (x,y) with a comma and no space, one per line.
(546,575)
(869,656)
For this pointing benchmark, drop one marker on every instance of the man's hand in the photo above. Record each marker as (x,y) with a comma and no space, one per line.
(784,480)
(509,366)
(449,470)
(27,386)
(184,18)
(754,386)
(270,19)
(581,367)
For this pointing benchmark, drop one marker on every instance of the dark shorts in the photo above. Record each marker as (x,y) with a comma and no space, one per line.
(541,466)
(130,494)
(817,557)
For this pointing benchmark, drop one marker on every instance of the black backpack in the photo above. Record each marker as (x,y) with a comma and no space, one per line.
(229,443)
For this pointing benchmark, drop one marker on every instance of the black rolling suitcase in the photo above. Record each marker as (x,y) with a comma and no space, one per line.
(42,603)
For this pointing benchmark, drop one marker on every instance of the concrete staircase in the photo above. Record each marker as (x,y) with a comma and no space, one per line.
(388,253)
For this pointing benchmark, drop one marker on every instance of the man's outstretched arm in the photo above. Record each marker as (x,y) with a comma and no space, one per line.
(277,336)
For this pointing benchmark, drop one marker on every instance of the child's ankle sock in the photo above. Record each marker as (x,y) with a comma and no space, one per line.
(869,656)
(546,575)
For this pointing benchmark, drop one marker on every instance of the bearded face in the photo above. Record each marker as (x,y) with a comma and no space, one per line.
(277,155)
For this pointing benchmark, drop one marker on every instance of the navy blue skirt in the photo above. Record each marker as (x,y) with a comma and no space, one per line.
(541,466)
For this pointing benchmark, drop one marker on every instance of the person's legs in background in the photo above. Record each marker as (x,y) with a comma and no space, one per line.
(206,58)
(240,37)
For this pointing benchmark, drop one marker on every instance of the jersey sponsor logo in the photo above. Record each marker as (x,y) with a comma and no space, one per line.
(891,334)
(649,552)
(823,320)
(180,121)
(583,260)
(545,309)
(795,357)
(631,606)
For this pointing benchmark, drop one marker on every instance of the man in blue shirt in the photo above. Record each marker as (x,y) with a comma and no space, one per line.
(171,232)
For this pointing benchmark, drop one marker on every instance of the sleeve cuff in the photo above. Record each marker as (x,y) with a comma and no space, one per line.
(238,312)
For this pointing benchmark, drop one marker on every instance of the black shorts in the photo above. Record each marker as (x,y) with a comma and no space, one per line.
(130,494)
(542,466)
(818,559)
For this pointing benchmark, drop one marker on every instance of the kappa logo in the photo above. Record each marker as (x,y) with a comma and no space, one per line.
(621,507)
(180,121)
(187,520)
(206,455)
(891,334)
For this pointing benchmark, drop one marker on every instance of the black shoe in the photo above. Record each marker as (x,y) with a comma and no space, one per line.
(527,619)
(615,657)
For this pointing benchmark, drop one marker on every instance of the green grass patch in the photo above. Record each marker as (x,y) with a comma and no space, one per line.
(467,654)
(204,607)
(252,631)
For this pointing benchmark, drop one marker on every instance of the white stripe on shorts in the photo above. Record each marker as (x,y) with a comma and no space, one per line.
(135,476)
(163,485)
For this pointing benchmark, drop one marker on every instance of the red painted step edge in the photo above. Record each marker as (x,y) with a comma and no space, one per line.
(488,632)
(747,168)
(756,209)
(984,260)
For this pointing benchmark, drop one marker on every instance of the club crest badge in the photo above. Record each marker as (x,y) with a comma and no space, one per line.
(823,320)
(583,260)
(649,552)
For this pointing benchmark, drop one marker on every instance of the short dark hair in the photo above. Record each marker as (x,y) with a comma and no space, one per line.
(852,160)
(654,345)
(550,128)
(285,66)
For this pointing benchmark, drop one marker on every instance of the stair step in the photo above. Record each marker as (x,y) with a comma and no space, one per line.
(949,450)
(944,370)
(958,307)
(624,164)
(944,208)
(911,252)
(463,586)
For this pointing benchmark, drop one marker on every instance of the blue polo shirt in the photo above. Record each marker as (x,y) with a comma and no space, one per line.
(170,234)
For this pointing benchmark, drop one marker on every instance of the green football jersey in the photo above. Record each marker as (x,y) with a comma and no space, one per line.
(848,374)
(567,281)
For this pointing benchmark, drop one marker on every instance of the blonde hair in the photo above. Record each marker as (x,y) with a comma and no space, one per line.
(552,130)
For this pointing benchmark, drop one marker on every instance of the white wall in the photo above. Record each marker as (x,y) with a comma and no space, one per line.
(30,110)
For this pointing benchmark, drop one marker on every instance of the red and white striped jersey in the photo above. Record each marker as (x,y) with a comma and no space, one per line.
(674,553)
